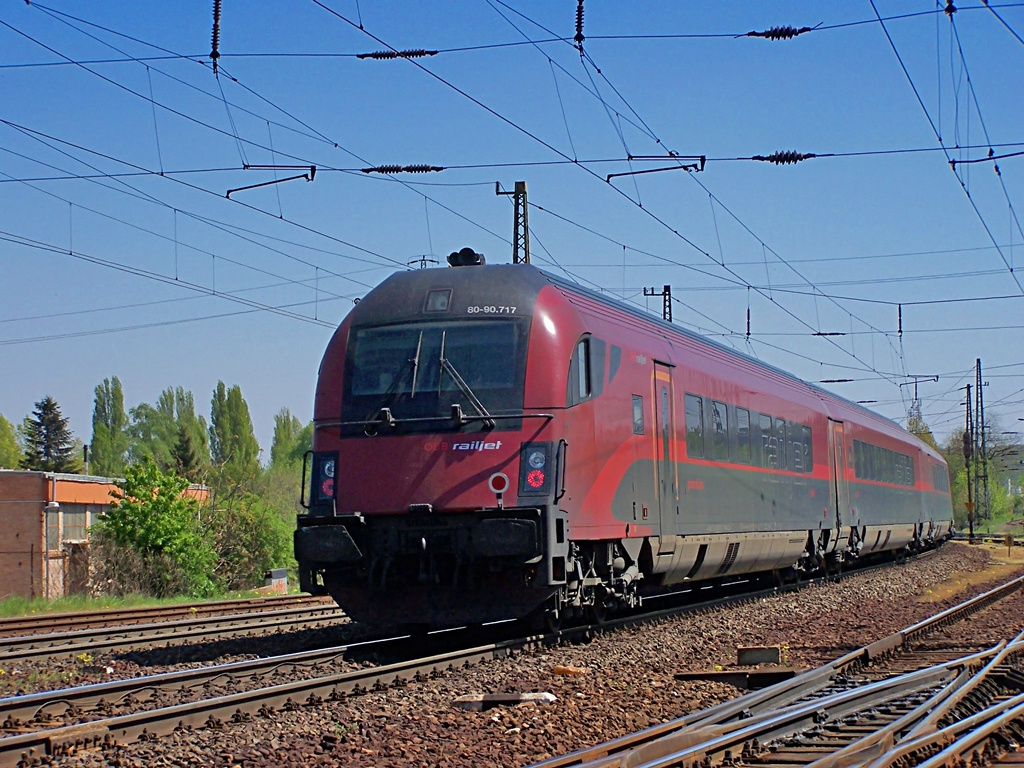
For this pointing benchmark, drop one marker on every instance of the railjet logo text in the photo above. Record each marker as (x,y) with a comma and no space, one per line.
(476,445)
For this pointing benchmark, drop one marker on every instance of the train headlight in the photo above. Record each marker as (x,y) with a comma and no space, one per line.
(325,467)
(534,478)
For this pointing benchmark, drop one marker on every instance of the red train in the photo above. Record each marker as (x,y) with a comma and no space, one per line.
(493,442)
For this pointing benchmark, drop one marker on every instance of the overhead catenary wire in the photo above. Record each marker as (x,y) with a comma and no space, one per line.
(426,199)
(938,136)
(648,212)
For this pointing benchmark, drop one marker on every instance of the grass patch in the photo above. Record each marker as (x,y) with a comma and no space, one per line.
(1001,565)
(20,606)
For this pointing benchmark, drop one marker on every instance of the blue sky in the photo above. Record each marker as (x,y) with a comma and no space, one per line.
(121,254)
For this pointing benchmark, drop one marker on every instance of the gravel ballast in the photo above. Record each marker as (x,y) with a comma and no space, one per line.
(616,684)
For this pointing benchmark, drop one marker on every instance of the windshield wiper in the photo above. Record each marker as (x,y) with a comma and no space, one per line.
(416,366)
(457,414)
(383,411)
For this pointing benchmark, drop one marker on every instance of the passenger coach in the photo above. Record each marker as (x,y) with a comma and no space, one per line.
(492,442)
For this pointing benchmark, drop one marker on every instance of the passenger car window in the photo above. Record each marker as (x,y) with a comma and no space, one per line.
(694,427)
(743,435)
(720,434)
(638,415)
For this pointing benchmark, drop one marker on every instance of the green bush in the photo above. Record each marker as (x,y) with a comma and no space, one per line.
(152,538)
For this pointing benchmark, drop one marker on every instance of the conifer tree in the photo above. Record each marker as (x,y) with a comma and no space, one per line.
(49,444)
(188,463)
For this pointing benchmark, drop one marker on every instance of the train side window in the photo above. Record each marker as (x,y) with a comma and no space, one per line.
(597,356)
(638,415)
(780,439)
(795,447)
(580,373)
(911,479)
(769,452)
(720,433)
(805,438)
(694,427)
(614,360)
(583,370)
(743,435)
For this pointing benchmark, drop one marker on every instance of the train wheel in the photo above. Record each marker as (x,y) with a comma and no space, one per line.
(553,616)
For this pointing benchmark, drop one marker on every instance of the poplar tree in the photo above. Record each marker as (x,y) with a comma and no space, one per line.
(109,447)
(233,445)
(10,453)
(155,429)
(49,444)
(291,439)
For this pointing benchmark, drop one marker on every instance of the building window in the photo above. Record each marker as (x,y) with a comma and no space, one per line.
(76,520)
(53,528)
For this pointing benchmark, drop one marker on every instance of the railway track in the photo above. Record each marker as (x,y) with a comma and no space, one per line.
(204,629)
(35,724)
(119,617)
(38,725)
(882,705)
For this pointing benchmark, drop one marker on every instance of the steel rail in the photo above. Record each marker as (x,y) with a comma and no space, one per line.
(634,749)
(17,711)
(128,728)
(139,635)
(141,725)
(235,707)
(63,622)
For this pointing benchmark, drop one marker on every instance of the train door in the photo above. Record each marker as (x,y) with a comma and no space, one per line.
(840,490)
(664,458)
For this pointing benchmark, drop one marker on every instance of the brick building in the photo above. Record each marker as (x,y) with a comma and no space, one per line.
(44,530)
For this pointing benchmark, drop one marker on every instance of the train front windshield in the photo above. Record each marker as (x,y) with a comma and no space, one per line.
(420,370)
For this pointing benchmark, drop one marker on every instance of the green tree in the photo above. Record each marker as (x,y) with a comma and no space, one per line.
(151,520)
(291,439)
(916,426)
(155,429)
(233,445)
(250,537)
(281,483)
(10,452)
(49,444)
(187,460)
(109,447)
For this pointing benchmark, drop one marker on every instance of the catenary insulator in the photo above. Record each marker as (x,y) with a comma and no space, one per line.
(579,38)
(422,168)
(416,53)
(215,40)
(780,33)
(784,158)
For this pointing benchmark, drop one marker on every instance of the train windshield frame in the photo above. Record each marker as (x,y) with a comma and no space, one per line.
(399,367)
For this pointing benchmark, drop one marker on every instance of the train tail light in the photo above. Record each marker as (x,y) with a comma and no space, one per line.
(535,469)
